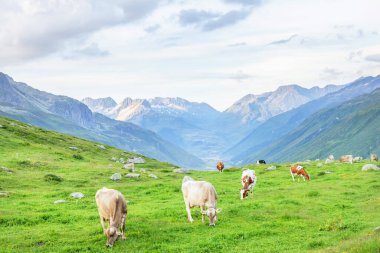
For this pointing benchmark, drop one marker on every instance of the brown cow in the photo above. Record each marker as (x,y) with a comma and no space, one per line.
(299,171)
(346,159)
(220,166)
(112,207)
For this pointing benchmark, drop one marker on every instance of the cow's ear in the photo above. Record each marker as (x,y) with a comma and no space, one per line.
(218,210)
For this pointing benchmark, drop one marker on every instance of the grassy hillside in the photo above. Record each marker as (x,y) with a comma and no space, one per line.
(351,128)
(266,136)
(334,212)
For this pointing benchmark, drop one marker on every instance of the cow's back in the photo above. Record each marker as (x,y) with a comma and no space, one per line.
(199,193)
(109,201)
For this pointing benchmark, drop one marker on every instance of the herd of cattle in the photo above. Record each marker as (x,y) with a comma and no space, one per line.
(112,205)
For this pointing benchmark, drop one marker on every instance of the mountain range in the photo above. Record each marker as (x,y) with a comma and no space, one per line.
(349,128)
(269,132)
(64,114)
(288,124)
(199,128)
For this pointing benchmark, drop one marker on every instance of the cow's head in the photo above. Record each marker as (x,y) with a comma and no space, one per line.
(211,213)
(307,176)
(112,235)
(243,193)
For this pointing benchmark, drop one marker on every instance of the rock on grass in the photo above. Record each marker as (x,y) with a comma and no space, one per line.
(4,194)
(116,177)
(59,201)
(370,167)
(133,175)
(153,176)
(77,195)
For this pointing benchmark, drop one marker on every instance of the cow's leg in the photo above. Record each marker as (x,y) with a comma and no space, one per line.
(203,215)
(303,178)
(292,175)
(188,210)
(123,226)
(103,226)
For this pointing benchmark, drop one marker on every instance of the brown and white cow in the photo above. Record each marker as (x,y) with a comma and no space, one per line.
(248,180)
(346,159)
(112,207)
(200,194)
(220,166)
(297,170)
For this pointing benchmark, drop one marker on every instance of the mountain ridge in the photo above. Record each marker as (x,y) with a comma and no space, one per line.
(282,124)
(67,115)
(349,128)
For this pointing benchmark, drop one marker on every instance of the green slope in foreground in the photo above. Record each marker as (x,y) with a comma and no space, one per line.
(334,212)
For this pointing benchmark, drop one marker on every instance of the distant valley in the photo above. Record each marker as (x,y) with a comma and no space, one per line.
(275,126)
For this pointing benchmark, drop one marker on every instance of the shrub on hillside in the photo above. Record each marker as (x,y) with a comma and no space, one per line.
(78,157)
(53,178)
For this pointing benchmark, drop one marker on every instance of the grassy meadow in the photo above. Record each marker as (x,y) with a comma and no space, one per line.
(334,212)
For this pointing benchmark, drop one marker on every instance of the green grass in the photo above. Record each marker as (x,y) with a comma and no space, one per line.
(334,212)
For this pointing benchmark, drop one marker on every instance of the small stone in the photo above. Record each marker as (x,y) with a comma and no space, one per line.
(101,147)
(328,172)
(331,157)
(129,166)
(136,160)
(181,170)
(319,164)
(116,176)
(114,159)
(142,170)
(73,148)
(271,168)
(121,160)
(4,194)
(377,229)
(1,126)
(153,176)
(77,195)
(133,175)
(329,161)
(370,167)
(59,201)
(6,170)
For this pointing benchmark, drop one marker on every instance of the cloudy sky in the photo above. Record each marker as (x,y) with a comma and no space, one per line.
(213,51)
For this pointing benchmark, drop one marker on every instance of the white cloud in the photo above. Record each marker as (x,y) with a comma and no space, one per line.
(148,52)
(32,29)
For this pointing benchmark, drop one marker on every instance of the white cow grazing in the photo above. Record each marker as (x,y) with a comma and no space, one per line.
(248,180)
(200,194)
(112,207)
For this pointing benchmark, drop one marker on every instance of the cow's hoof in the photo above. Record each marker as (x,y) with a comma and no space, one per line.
(211,225)
(123,237)
(109,245)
